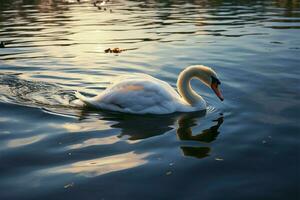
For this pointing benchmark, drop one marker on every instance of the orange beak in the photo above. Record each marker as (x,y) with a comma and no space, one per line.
(214,87)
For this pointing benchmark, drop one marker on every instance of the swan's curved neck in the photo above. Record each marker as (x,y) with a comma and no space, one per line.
(185,89)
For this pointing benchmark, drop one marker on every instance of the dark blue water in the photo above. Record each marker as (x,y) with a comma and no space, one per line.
(246,147)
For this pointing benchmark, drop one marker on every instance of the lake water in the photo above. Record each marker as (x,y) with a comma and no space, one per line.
(246,147)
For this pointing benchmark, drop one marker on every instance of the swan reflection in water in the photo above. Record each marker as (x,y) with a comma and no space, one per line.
(184,132)
(137,127)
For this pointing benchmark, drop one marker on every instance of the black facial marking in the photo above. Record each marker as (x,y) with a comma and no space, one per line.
(215,80)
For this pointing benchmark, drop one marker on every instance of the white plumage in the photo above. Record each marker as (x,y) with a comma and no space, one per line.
(144,94)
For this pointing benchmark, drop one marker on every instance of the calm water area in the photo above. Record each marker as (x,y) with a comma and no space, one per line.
(246,147)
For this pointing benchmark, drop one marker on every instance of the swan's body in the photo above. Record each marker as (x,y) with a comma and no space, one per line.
(144,94)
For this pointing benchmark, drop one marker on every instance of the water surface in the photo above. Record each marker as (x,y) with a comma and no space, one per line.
(246,147)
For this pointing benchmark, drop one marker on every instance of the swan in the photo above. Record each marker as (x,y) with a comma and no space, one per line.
(139,93)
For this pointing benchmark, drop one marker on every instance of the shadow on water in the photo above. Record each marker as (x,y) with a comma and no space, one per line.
(137,127)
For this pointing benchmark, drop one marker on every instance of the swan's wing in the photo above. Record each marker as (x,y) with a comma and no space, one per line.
(140,95)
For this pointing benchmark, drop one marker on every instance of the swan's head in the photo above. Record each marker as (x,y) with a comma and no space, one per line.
(209,77)
(214,85)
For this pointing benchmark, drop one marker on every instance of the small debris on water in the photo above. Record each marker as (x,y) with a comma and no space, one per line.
(276,42)
(219,159)
(69,154)
(117,50)
(69,185)
(113,50)
(168,173)
(264,141)
(171,164)
(101,5)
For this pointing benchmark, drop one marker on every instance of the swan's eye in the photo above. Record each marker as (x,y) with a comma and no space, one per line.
(214,80)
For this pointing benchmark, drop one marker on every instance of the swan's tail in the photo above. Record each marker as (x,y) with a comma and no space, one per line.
(82,98)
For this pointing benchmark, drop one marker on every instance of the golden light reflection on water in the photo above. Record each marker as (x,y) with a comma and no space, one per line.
(24,141)
(99,125)
(84,126)
(100,166)
(95,141)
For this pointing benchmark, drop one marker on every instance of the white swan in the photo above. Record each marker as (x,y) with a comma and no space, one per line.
(144,94)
